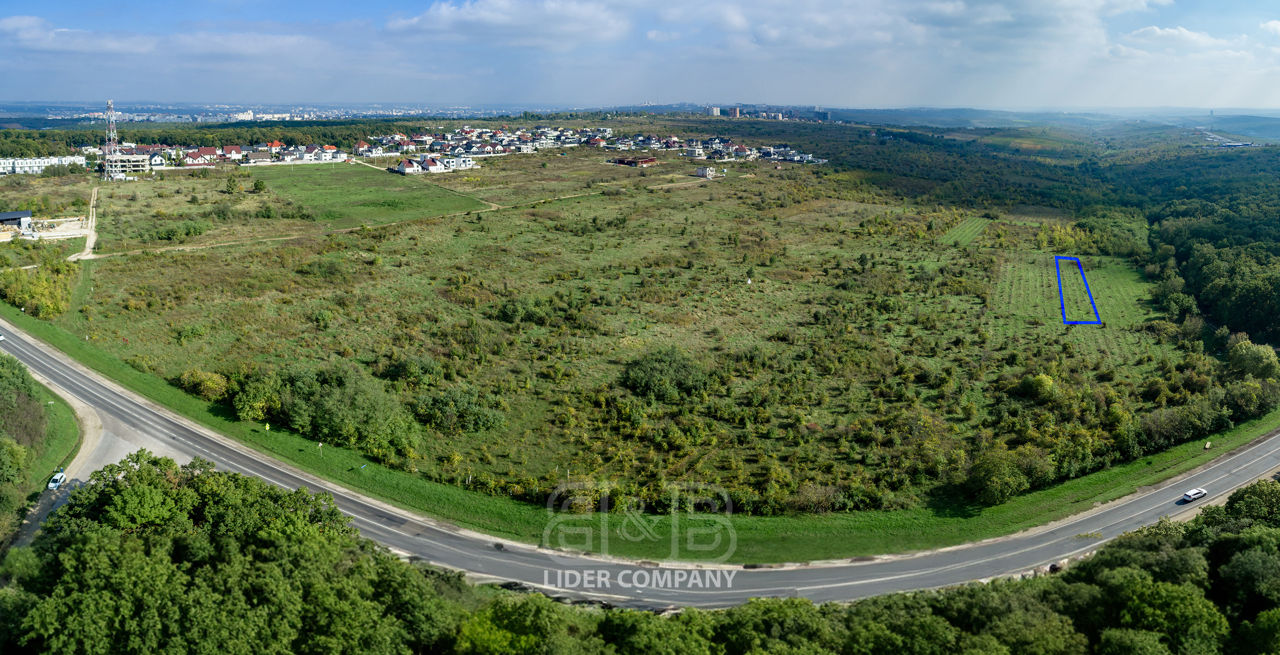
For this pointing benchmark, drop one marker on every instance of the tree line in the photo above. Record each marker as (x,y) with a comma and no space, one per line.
(151,556)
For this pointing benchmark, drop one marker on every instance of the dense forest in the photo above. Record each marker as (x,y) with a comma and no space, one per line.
(156,557)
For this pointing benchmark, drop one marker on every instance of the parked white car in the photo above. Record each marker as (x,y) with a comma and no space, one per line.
(57,480)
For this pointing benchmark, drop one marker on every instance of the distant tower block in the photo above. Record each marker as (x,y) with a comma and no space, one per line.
(111,152)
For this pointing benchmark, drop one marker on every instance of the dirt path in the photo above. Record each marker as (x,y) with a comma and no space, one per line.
(92,228)
(670,185)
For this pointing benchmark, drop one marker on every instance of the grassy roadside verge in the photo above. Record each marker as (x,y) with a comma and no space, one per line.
(62,440)
(757,539)
(61,443)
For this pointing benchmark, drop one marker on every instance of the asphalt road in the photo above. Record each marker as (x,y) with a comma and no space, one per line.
(130,421)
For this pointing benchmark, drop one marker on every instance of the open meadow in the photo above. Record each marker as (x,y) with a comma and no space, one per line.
(344,195)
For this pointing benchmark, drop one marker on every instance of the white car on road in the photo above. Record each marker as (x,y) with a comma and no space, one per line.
(1194,494)
(57,480)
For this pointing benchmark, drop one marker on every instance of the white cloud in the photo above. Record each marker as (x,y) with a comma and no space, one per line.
(1178,36)
(557,25)
(1012,53)
(33,33)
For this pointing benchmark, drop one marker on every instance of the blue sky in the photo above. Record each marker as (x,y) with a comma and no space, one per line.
(1016,54)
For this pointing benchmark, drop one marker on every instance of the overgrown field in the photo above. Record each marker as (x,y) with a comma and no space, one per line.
(46,197)
(784,335)
(193,208)
(523,179)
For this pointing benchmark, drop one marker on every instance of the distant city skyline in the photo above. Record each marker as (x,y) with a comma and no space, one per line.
(994,54)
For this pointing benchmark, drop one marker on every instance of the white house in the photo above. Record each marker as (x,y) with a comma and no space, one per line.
(432,165)
(36,165)
(459,163)
(408,167)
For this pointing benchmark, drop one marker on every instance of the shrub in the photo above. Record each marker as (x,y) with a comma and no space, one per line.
(664,375)
(455,409)
(1037,387)
(210,386)
(522,310)
(413,371)
(43,292)
(338,403)
(995,477)
(180,231)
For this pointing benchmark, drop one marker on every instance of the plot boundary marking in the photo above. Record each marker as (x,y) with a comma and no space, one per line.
(1062,302)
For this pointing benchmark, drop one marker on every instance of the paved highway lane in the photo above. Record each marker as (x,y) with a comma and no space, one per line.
(138,421)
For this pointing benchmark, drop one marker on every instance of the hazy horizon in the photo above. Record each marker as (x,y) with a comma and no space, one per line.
(693,106)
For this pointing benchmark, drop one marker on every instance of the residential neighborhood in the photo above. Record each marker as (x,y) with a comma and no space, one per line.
(416,153)
(450,151)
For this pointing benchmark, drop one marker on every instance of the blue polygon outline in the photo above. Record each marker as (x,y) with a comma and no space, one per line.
(1062,302)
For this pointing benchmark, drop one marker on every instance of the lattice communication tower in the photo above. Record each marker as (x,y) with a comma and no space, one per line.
(112,149)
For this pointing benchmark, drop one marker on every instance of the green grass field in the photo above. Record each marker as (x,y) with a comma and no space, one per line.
(1075,303)
(350,195)
(1026,311)
(965,233)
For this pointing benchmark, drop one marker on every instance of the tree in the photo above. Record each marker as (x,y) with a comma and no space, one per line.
(640,633)
(156,557)
(664,375)
(232,186)
(1260,636)
(1038,631)
(13,461)
(259,186)
(1120,641)
(1256,359)
(1258,502)
(771,624)
(995,477)
(1189,622)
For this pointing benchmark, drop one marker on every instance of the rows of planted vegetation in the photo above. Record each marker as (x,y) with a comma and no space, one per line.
(869,335)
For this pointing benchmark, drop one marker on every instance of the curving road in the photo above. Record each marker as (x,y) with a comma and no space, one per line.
(129,422)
